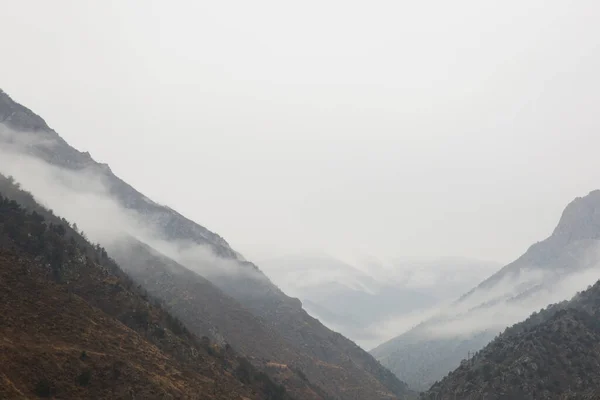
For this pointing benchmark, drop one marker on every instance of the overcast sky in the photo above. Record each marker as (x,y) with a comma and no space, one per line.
(389,128)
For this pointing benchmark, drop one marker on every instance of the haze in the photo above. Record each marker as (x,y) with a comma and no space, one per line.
(414,129)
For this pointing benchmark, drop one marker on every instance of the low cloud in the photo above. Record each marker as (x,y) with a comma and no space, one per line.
(511,300)
(20,141)
(373,300)
(499,311)
(82,197)
(490,310)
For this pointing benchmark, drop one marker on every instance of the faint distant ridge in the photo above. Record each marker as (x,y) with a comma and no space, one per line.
(356,301)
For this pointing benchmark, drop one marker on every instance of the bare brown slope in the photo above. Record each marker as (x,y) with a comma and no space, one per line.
(72,325)
(54,343)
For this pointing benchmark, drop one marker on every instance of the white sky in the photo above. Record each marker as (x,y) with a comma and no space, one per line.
(390,128)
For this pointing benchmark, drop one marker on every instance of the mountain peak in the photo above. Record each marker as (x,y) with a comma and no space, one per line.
(581,218)
(18,117)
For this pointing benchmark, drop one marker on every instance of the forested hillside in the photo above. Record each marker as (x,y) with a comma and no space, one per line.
(73,325)
(554,354)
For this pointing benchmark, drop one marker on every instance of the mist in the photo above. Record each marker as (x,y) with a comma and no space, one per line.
(419,129)
(402,151)
(373,299)
(512,299)
(82,197)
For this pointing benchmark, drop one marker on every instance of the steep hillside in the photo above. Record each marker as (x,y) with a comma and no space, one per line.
(206,311)
(335,364)
(549,271)
(554,354)
(73,325)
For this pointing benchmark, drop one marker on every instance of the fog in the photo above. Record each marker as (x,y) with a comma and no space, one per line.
(367,132)
(376,299)
(81,197)
(419,129)
(495,308)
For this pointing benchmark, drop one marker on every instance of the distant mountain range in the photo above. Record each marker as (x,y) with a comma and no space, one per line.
(194,272)
(366,304)
(550,271)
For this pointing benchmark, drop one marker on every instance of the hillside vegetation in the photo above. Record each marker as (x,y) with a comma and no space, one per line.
(554,354)
(244,308)
(73,325)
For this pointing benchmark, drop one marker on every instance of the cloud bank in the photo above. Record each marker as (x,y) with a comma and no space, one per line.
(82,197)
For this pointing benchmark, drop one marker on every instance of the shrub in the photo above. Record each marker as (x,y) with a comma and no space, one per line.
(44,388)
(84,378)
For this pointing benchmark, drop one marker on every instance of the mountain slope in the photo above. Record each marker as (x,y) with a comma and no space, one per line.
(206,311)
(73,325)
(45,143)
(549,271)
(339,362)
(554,354)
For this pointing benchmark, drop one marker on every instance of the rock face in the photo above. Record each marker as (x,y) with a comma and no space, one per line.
(286,334)
(15,115)
(550,271)
(554,354)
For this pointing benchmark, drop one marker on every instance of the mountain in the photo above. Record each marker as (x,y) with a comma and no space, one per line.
(73,325)
(550,271)
(28,132)
(554,354)
(193,271)
(361,302)
(204,309)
